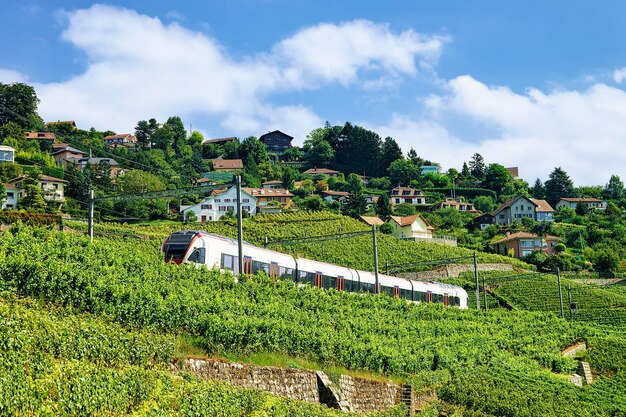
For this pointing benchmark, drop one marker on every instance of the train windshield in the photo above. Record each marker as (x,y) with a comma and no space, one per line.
(176,245)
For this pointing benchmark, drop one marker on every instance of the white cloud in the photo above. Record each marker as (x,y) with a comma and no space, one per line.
(581,131)
(619,75)
(138,67)
(9,76)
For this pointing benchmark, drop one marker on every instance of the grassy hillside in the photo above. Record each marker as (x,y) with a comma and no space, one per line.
(499,363)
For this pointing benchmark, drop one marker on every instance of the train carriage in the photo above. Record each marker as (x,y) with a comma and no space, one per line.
(214,251)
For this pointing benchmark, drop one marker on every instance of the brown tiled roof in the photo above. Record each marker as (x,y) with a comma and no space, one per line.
(514,171)
(336,193)
(413,192)
(542,206)
(121,136)
(40,135)
(227,164)
(371,220)
(314,171)
(43,178)
(272,182)
(408,220)
(220,140)
(524,235)
(581,200)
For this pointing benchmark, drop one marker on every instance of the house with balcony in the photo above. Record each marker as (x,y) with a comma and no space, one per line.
(461,206)
(7,154)
(408,195)
(521,244)
(276,141)
(591,203)
(126,140)
(53,188)
(42,137)
(331,196)
(270,200)
(214,206)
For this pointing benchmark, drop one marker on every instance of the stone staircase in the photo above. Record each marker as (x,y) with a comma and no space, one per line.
(585,372)
(406,397)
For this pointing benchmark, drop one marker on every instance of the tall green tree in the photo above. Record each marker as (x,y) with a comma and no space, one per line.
(320,155)
(383,206)
(614,190)
(18,104)
(145,132)
(356,204)
(33,200)
(253,148)
(497,178)
(390,151)
(558,185)
(538,190)
(477,166)
(357,150)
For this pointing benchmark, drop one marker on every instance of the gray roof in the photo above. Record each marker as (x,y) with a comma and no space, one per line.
(95,161)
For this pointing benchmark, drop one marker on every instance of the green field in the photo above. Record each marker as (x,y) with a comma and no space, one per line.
(495,363)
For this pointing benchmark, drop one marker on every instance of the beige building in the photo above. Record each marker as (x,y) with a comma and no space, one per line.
(411,227)
(522,243)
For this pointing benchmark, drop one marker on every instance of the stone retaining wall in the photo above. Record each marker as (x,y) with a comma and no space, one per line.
(453,271)
(353,394)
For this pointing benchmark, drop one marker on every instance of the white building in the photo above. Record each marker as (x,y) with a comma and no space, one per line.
(10,202)
(7,154)
(219,202)
(53,188)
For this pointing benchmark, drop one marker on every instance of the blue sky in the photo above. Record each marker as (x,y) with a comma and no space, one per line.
(532,84)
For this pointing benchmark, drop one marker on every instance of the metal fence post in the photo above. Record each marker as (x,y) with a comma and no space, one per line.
(239,226)
(376,291)
(484,292)
(569,299)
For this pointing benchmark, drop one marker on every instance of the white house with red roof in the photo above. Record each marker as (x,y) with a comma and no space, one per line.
(407,195)
(213,207)
(411,227)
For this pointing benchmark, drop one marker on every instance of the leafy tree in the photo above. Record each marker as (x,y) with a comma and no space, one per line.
(390,152)
(614,190)
(431,179)
(18,104)
(137,181)
(605,259)
(497,178)
(357,150)
(253,148)
(538,190)
(190,216)
(289,177)
(402,171)
(33,199)
(386,228)
(465,171)
(164,138)
(477,166)
(321,154)
(582,209)
(356,204)
(11,131)
(314,203)
(383,206)
(8,171)
(3,193)
(292,154)
(381,183)
(405,209)
(230,150)
(613,212)
(484,203)
(145,132)
(558,185)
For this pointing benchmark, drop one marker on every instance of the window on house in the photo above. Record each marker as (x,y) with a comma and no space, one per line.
(204,206)
(397,201)
(526,243)
(501,216)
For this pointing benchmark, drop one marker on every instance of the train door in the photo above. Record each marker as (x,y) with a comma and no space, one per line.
(274,270)
(318,280)
(247,265)
(341,283)
(429,297)
(445,299)
(396,291)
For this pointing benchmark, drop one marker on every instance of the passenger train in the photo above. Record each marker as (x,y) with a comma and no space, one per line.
(214,251)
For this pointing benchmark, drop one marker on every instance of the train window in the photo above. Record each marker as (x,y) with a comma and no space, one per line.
(437,298)
(274,270)
(198,255)
(406,294)
(228,262)
(286,273)
(349,285)
(258,266)
(329,282)
(247,265)
(306,277)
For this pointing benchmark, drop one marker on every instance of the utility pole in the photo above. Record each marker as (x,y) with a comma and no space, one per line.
(558,278)
(477,284)
(484,292)
(376,290)
(239,226)
(90,218)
